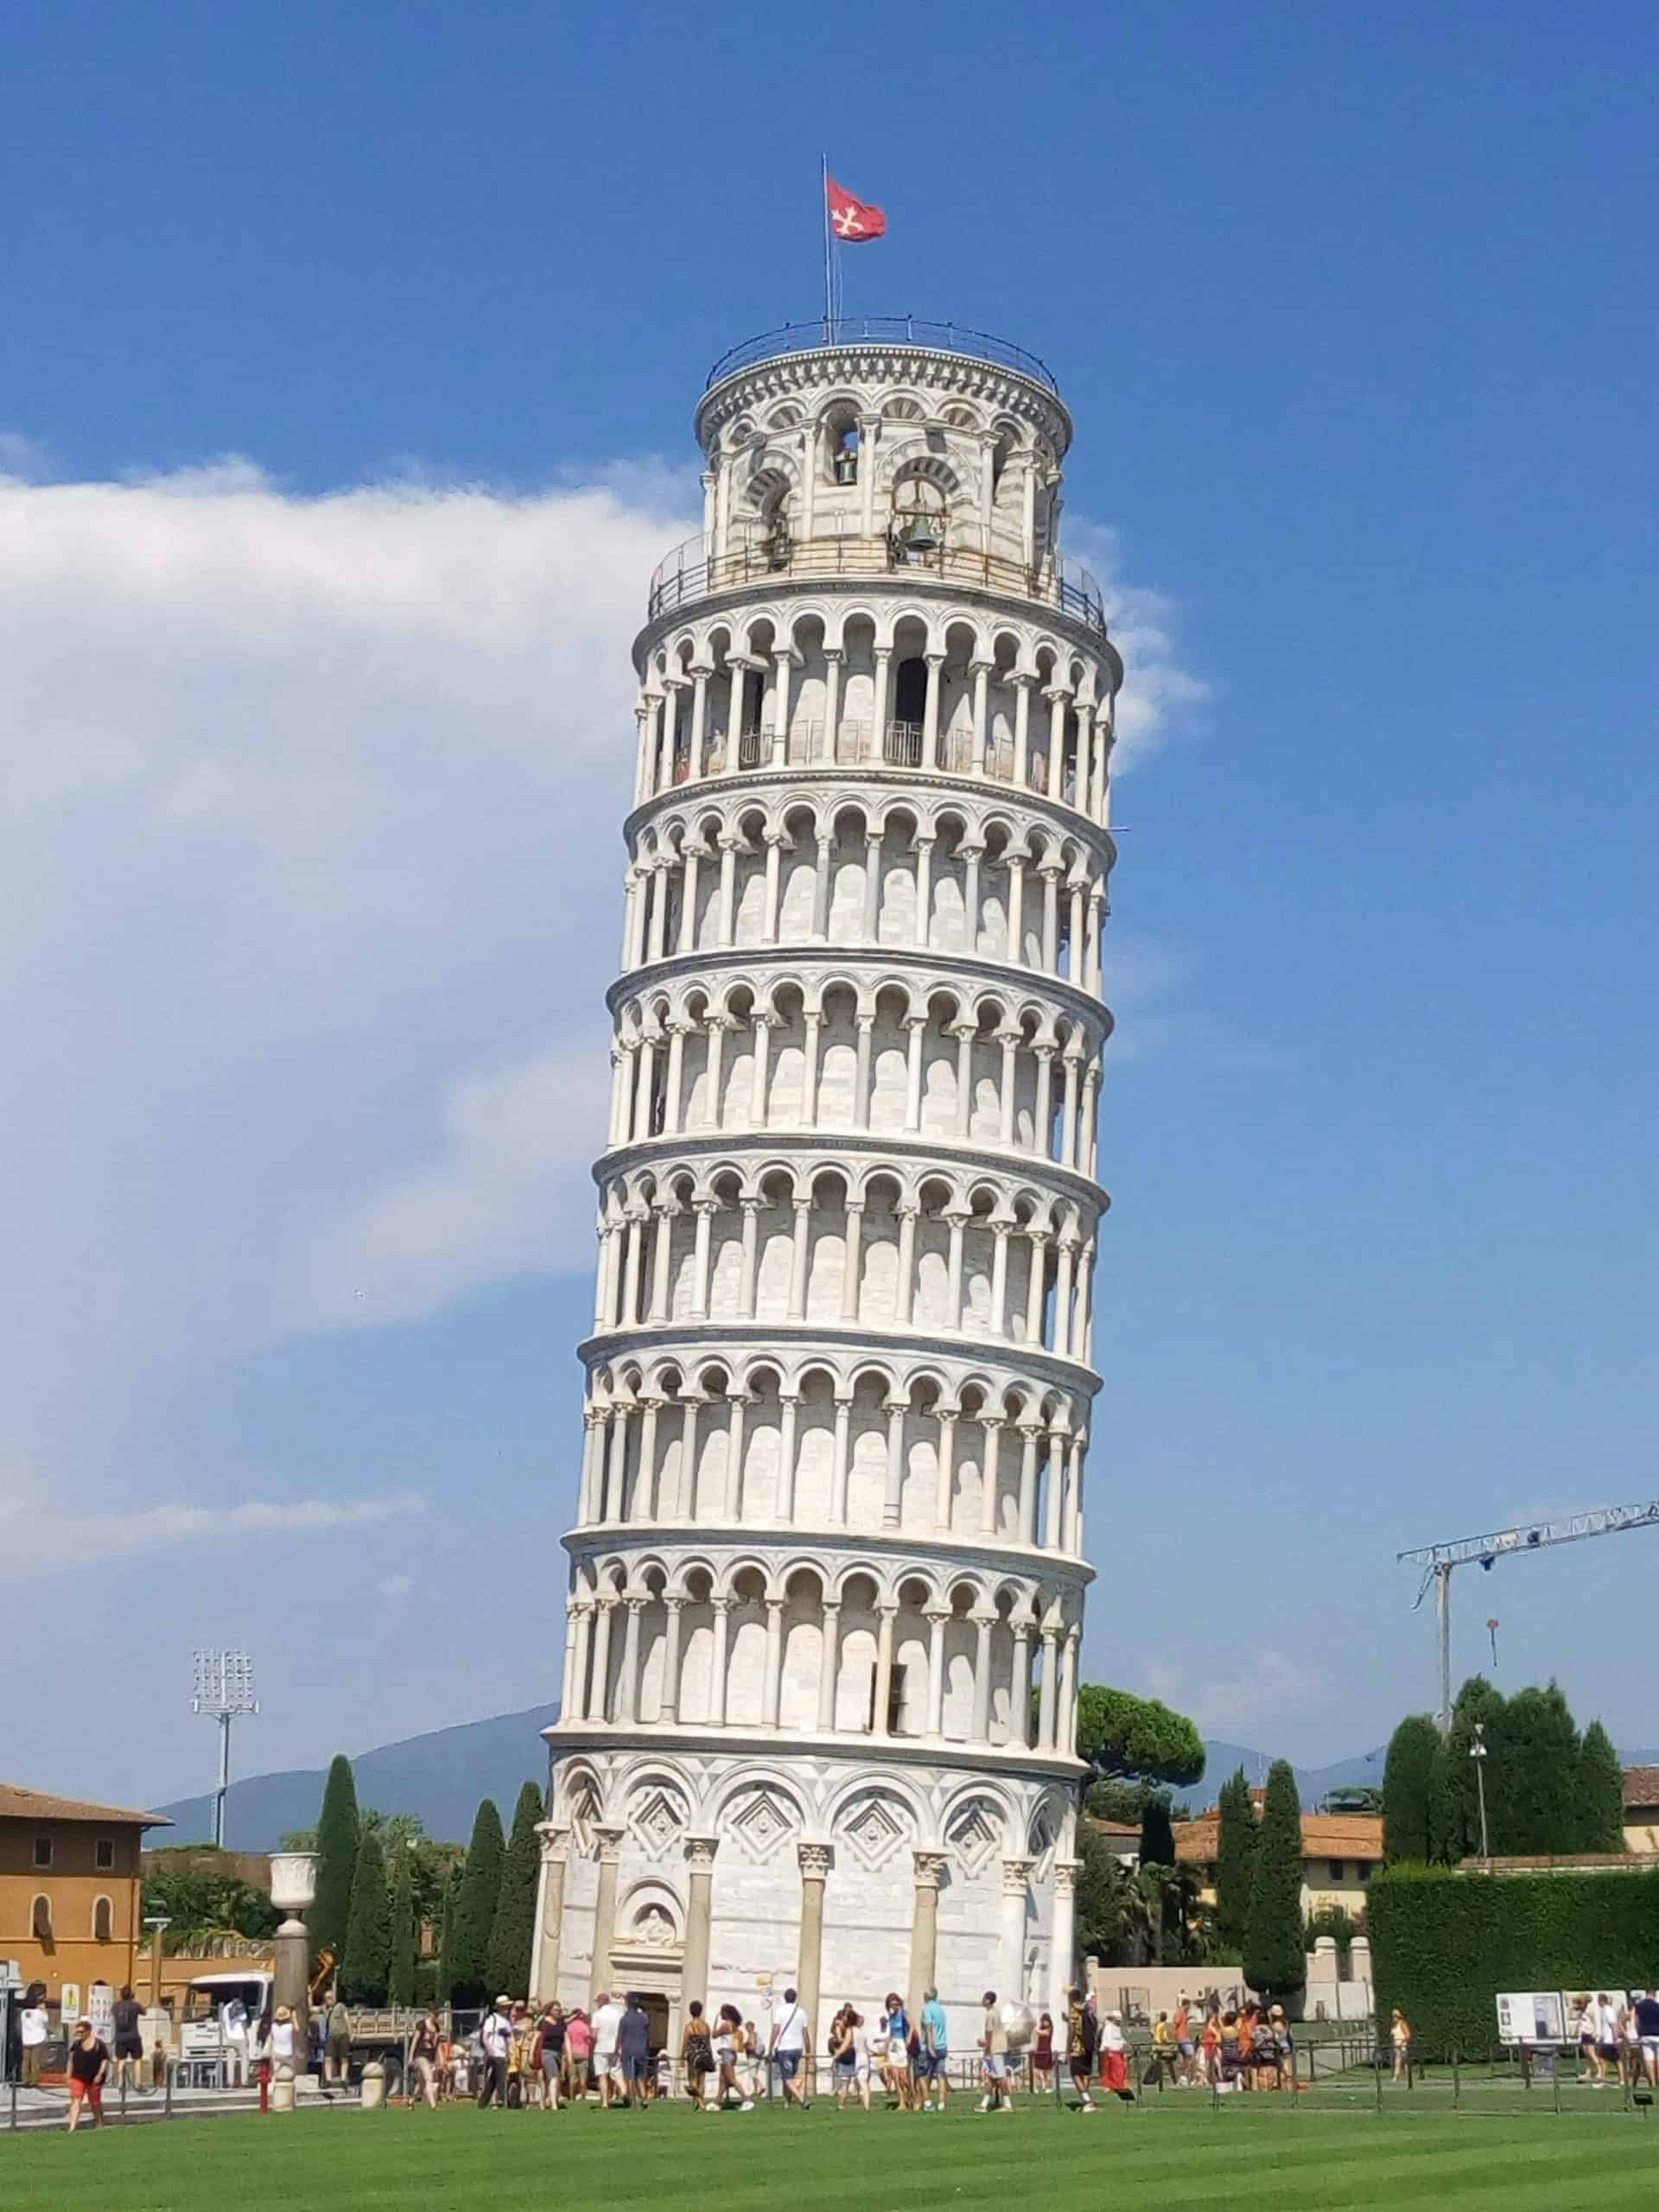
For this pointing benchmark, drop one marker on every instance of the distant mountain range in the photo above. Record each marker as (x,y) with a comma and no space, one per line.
(443,1776)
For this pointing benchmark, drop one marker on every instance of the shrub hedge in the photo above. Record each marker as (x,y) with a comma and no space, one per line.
(1444,1943)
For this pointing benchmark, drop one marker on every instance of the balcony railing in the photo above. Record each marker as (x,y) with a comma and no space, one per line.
(860,744)
(691,572)
(883,330)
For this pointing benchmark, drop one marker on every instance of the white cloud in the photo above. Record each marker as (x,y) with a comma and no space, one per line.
(1161,699)
(312,878)
(1271,1687)
(41,1538)
(22,459)
(394,1586)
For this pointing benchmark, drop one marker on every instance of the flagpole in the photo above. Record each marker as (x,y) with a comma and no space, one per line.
(829,266)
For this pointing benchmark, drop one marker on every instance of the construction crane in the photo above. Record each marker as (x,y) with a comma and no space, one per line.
(1438,1562)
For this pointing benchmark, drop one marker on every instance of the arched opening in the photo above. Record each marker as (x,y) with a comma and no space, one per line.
(102,1921)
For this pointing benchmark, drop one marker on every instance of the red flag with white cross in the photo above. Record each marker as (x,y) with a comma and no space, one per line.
(852,219)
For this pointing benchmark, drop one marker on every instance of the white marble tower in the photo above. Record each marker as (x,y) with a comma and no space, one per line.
(827,1574)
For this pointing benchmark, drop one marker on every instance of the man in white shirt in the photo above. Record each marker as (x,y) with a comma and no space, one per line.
(607,2019)
(35,2026)
(495,2041)
(234,2035)
(789,2047)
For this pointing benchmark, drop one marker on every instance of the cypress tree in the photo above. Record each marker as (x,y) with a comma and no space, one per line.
(339,1834)
(1234,1855)
(1532,1772)
(368,1937)
(1275,1963)
(446,1959)
(514,1929)
(1407,1779)
(474,1920)
(1600,1792)
(1156,1835)
(1454,1803)
(400,1984)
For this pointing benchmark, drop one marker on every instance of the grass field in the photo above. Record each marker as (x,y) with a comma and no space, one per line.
(1183,2154)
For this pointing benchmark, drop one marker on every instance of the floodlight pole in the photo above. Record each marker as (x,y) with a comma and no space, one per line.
(224,1688)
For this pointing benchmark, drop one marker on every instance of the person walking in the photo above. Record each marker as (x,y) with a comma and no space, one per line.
(1080,2047)
(1400,2041)
(1181,2030)
(35,2025)
(495,2041)
(788,2048)
(696,2053)
(853,2060)
(259,2049)
(1646,2009)
(1606,2032)
(423,2061)
(128,2046)
(935,2053)
(578,2055)
(233,2039)
(89,2065)
(994,2058)
(728,2033)
(633,2049)
(608,2019)
(284,2041)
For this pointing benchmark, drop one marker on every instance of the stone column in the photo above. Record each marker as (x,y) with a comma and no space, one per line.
(946,1417)
(610,1843)
(737,1402)
(1016,951)
(923,889)
(1011,1945)
(784,1509)
(993,1433)
(883,1670)
(797,1259)
(851,1260)
(628,1686)
(893,1503)
(1048,1694)
(872,884)
(599,1703)
(937,1617)
(550,1911)
(721,1608)
(816,1860)
(694,1970)
(904,1287)
(842,1467)
(833,658)
(670,1708)
(773,1683)
(1062,1948)
(829,1668)
(930,712)
(1020,1692)
(983,1624)
(928,1865)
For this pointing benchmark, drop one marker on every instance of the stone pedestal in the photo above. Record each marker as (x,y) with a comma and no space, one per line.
(293,1978)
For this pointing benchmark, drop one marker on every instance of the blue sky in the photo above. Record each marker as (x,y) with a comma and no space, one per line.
(1355,314)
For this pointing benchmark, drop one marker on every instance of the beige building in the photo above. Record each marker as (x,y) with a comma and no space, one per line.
(1642,1808)
(69,1888)
(1340,1852)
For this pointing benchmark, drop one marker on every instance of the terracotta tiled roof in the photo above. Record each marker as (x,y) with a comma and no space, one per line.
(1113,1828)
(1641,1786)
(1325,1836)
(19,1804)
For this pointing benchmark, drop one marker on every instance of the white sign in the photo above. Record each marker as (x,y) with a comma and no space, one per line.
(1531,2016)
(69,2004)
(100,2010)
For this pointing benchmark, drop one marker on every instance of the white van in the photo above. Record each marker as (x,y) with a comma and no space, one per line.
(198,2035)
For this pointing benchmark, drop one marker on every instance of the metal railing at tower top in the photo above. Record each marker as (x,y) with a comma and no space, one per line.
(692,571)
(821,334)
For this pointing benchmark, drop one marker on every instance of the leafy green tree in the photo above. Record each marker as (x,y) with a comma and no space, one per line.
(1275,1963)
(339,1834)
(474,1920)
(366,1971)
(400,1982)
(203,1906)
(1600,1792)
(297,1840)
(1407,1782)
(1157,1837)
(1122,1735)
(514,1930)
(1331,1920)
(1110,1799)
(1235,1841)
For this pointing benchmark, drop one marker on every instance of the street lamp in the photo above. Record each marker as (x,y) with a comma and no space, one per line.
(1477,1753)
(157,1924)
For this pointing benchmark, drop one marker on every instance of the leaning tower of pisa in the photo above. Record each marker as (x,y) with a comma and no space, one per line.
(827,1573)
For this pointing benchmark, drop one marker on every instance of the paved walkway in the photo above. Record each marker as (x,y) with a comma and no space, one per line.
(22,2108)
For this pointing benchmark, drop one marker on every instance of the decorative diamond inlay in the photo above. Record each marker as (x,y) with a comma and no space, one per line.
(974,1836)
(873,1830)
(761,1822)
(657,1821)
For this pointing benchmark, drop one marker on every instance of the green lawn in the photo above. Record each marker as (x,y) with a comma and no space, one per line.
(1180,2153)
